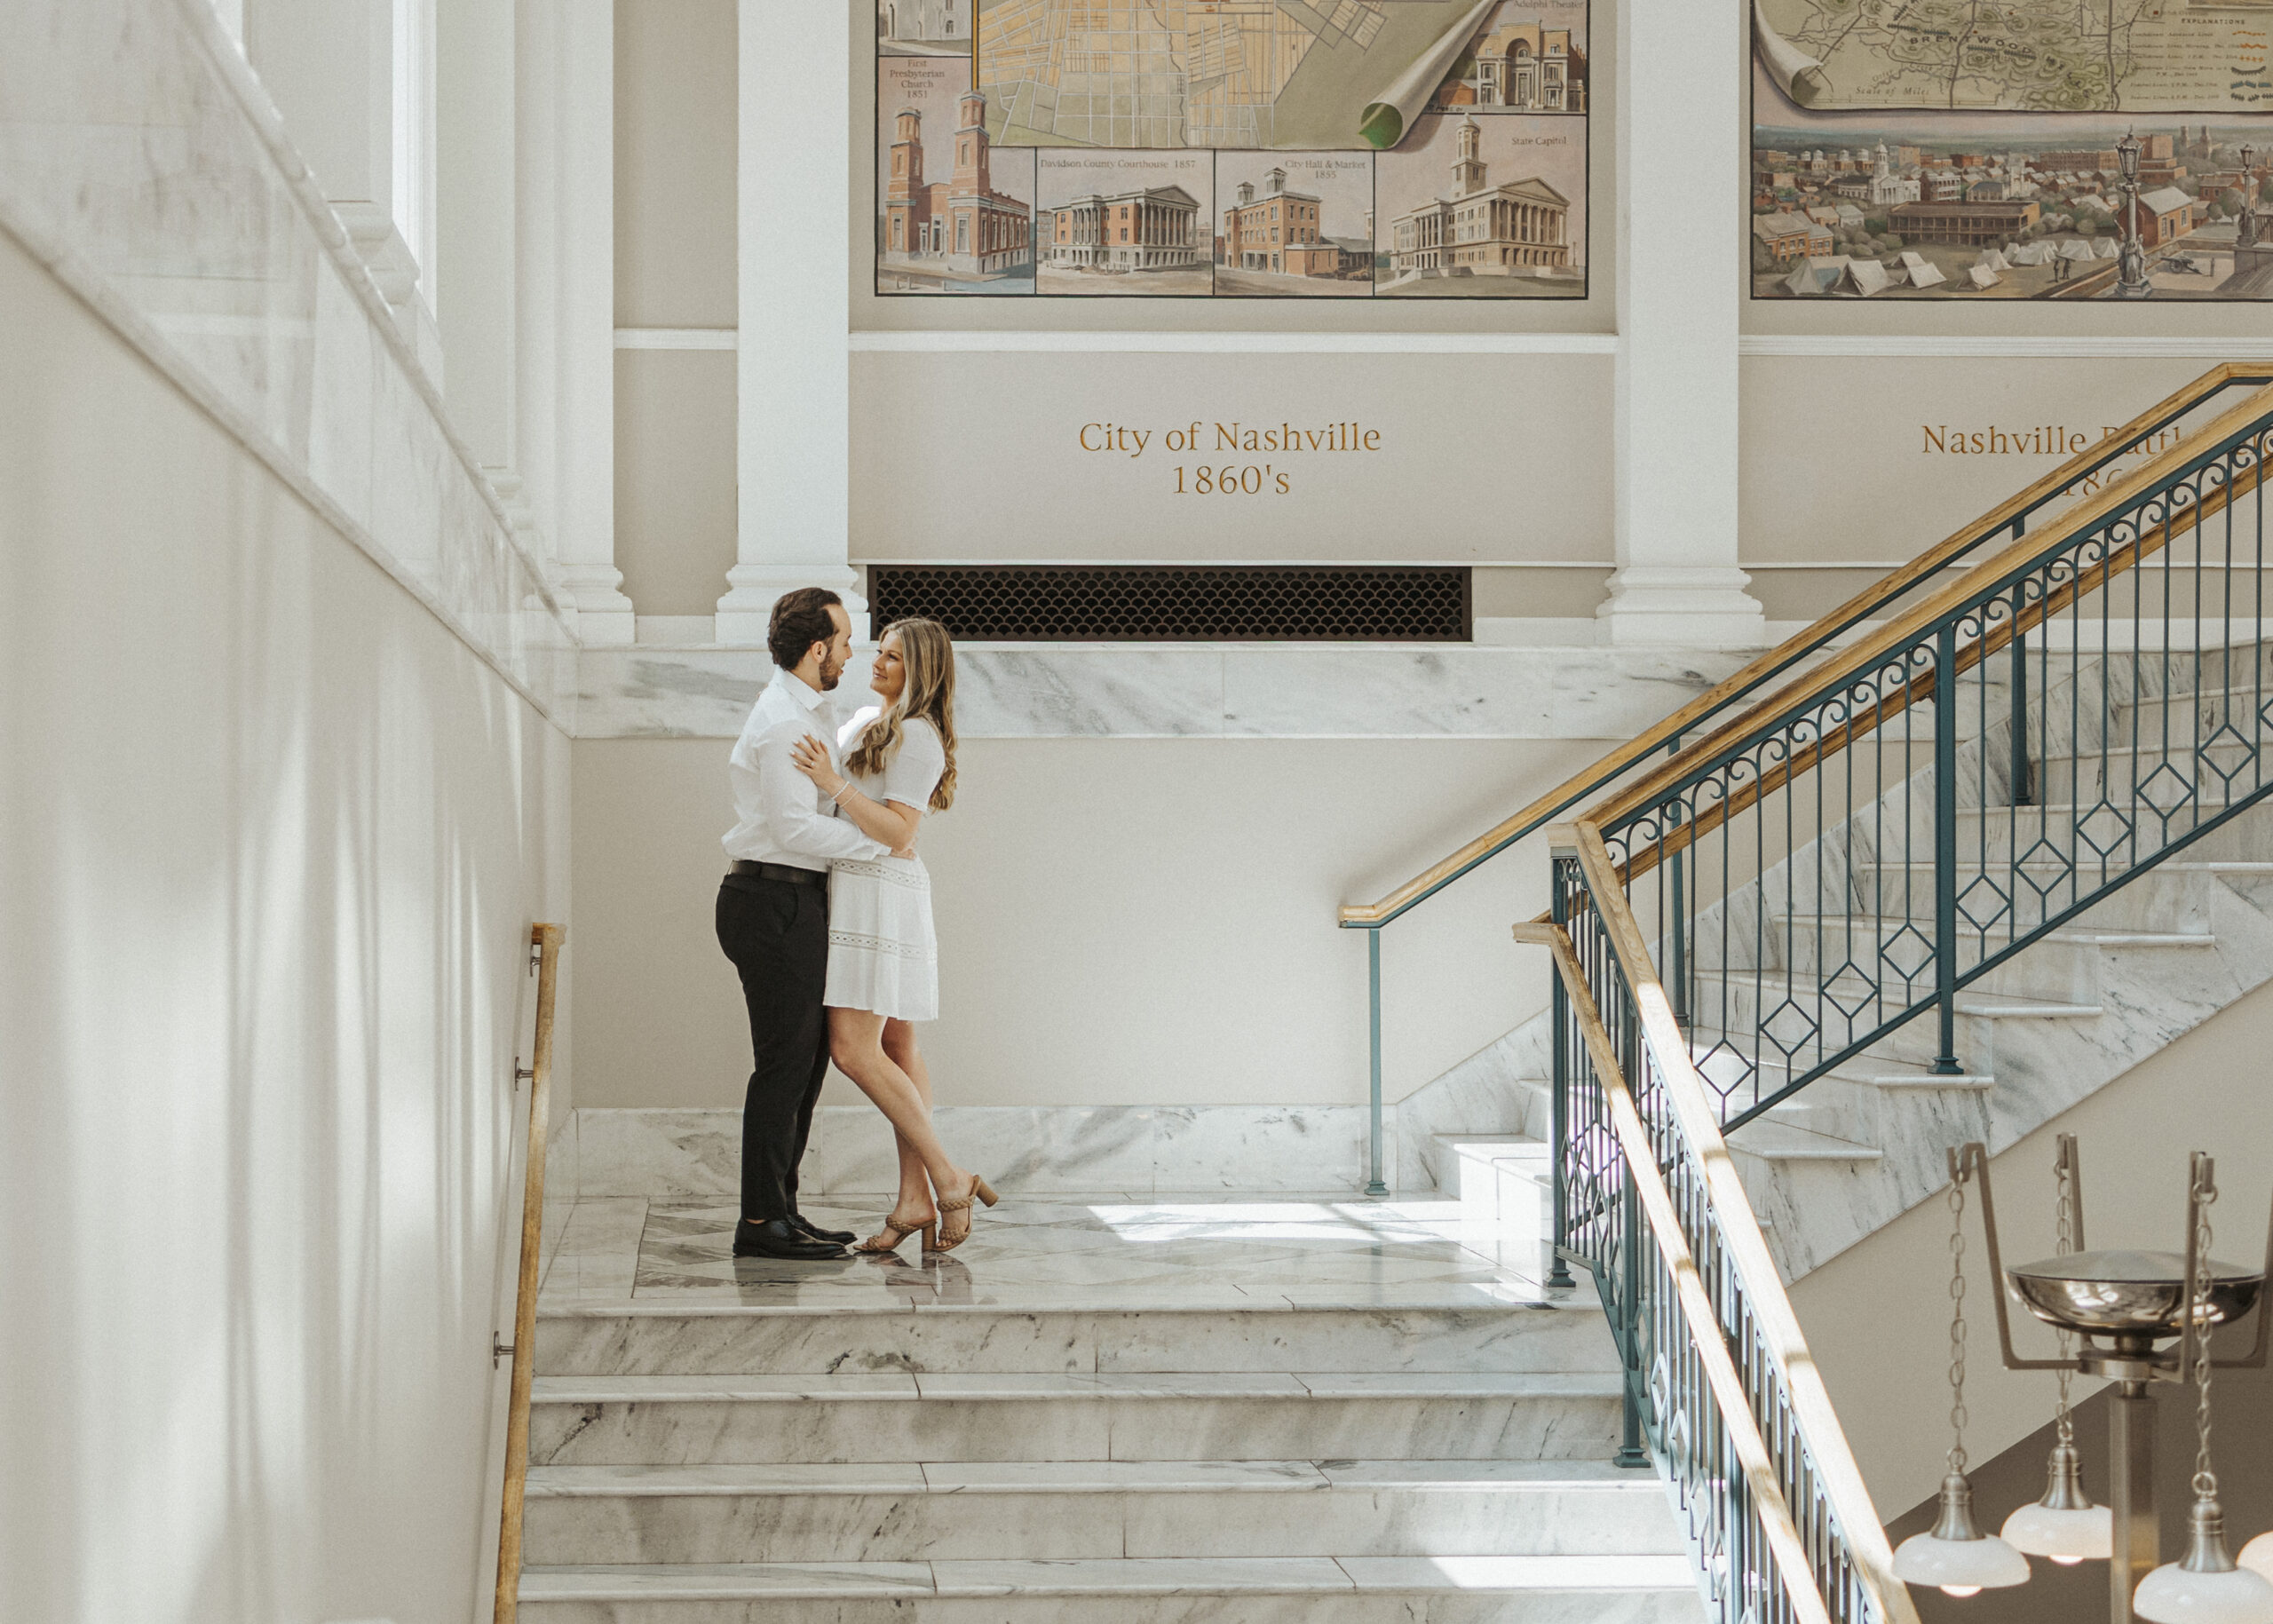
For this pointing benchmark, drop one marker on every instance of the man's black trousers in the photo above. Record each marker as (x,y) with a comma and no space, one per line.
(777,934)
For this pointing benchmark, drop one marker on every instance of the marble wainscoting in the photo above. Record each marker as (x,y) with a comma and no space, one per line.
(1195,691)
(186,220)
(1131,1150)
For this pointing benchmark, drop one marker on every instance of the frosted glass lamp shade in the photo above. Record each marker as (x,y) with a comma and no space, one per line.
(2175,1594)
(2064,1525)
(2257,1556)
(1962,1567)
(2205,1587)
(1957,1556)
(2066,1536)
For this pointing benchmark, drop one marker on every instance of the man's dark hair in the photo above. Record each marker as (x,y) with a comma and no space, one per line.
(800,620)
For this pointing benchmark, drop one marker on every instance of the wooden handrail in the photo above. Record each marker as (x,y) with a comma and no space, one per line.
(1881,592)
(1742,1244)
(546,939)
(1942,601)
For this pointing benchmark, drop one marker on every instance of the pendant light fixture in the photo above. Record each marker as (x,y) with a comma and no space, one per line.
(1956,1556)
(2206,1585)
(2064,1525)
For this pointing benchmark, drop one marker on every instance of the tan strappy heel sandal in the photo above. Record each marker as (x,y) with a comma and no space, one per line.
(894,1235)
(949,1239)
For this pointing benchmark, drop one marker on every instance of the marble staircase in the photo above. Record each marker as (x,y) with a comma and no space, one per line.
(2038,1034)
(1123,1411)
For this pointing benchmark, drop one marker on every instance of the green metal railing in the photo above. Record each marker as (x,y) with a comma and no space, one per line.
(1712,710)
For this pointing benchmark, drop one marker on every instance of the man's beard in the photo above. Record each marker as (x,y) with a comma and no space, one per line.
(830,674)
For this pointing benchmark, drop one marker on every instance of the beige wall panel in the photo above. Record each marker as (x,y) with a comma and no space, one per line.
(1840,457)
(981,456)
(1123,921)
(1535,593)
(675,117)
(674,477)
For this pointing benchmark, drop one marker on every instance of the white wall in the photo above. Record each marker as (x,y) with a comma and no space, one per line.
(271,839)
(1121,921)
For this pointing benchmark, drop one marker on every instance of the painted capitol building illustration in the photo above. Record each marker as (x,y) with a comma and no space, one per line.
(962,224)
(1511,230)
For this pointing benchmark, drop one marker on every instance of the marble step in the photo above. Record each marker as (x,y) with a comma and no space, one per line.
(1572,1589)
(640,1339)
(908,1512)
(827,1420)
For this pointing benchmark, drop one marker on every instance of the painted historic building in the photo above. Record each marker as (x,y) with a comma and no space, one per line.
(1529,66)
(1275,232)
(1156,228)
(1481,229)
(963,224)
(942,22)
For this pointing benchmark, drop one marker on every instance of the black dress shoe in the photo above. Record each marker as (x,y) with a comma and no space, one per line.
(778,1237)
(806,1226)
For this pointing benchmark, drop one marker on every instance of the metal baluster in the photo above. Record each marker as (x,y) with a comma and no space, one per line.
(1558,1269)
(1946,1060)
(2023,788)
(1374,1184)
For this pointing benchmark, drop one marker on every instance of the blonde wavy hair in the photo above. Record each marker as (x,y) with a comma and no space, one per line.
(928,654)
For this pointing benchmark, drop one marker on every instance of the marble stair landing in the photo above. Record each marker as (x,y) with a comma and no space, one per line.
(1124,1407)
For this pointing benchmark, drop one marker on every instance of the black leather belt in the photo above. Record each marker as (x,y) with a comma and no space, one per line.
(784,872)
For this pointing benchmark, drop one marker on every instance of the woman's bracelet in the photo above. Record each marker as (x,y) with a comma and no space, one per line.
(838,798)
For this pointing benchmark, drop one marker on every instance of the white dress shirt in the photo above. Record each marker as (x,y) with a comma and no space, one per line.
(780,814)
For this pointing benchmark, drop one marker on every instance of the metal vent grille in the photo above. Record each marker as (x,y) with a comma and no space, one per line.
(1116,602)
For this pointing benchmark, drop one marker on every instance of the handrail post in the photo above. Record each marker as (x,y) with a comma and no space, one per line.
(1559,1267)
(1946,1060)
(2024,790)
(1678,913)
(1631,1453)
(1374,1182)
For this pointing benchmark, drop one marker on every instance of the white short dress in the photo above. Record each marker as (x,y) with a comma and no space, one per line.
(884,955)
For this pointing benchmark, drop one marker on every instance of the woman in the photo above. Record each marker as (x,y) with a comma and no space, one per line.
(883,965)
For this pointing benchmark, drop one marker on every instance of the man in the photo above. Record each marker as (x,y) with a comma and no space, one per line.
(773,917)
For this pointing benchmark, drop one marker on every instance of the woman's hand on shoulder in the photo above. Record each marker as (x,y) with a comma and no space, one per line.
(811,759)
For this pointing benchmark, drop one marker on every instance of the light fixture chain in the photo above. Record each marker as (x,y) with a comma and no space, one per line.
(2064,1224)
(2205,1192)
(1957,1326)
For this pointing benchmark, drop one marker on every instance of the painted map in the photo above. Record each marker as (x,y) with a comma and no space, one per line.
(2036,56)
(1223,73)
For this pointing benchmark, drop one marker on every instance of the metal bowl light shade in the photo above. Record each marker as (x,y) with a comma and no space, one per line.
(2127,1294)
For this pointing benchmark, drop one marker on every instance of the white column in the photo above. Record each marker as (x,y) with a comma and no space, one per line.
(793,524)
(564,407)
(1681,70)
(341,72)
(473,228)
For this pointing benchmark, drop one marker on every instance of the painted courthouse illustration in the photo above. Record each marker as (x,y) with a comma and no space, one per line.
(962,226)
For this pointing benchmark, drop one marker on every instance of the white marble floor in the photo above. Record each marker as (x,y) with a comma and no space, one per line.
(1103,1252)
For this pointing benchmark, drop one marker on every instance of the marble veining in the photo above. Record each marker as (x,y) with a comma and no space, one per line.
(1192,690)
(196,232)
